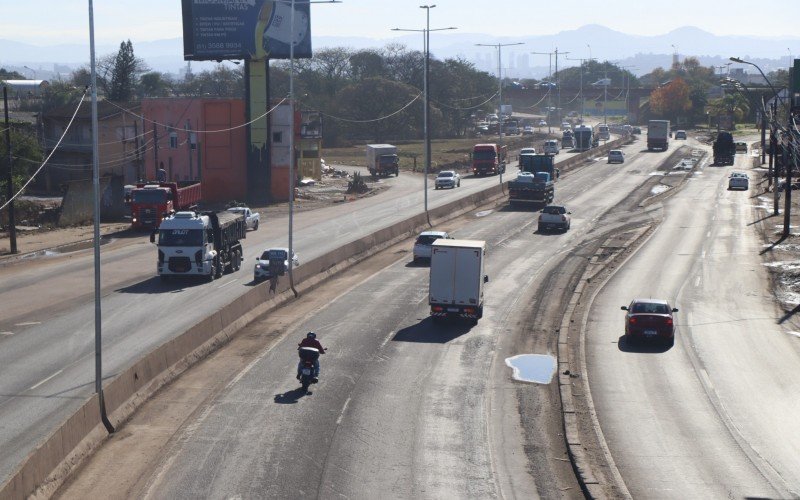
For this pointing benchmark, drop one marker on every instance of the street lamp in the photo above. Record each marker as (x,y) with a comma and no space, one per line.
(499,47)
(32,71)
(549,82)
(742,61)
(426,107)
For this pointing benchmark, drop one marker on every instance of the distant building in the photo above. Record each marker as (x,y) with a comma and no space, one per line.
(72,160)
(23,89)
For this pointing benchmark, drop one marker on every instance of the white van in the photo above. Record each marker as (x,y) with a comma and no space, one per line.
(551,147)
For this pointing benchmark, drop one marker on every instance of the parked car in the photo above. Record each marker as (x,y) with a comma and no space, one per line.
(447,179)
(616,156)
(738,180)
(649,319)
(554,217)
(252,218)
(741,147)
(422,247)
(273,258)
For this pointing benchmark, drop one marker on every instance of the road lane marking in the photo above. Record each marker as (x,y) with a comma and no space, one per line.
(344,409)
(708,234)
(45,380)
(28,323)
(226,284)
(7,333)
(697,281)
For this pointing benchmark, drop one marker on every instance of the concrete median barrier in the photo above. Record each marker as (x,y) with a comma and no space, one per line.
(46,467)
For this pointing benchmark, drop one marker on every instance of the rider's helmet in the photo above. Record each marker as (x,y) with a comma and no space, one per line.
(311,335)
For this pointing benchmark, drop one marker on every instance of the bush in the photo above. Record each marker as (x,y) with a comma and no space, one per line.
(357,185)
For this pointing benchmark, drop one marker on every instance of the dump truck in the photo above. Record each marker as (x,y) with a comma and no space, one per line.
(151,202)
(200,244)
(535,163)
(382,160)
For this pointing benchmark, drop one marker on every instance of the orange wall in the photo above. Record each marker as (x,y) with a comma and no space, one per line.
(221,156)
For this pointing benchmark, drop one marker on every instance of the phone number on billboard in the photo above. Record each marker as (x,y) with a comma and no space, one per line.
(219,45)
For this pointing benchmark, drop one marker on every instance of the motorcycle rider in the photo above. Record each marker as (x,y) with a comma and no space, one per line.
(310,341)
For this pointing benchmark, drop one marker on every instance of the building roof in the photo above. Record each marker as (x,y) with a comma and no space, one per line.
(105,110)
(26,83)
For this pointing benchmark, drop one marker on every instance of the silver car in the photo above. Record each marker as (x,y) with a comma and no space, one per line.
(447,179)
(423,245)
(278,257)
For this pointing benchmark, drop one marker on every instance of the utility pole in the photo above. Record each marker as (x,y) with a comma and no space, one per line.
(550,85)
(558,90)
(499,47)
(580,92)
(12,225)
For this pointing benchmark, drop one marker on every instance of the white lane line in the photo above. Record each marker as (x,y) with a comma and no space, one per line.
(344,409)
(28,323)
(708,234)
(697,281)
(7,333)
(45,380)
(226,284)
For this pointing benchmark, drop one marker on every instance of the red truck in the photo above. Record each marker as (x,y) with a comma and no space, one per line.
(489,159)
(154,201)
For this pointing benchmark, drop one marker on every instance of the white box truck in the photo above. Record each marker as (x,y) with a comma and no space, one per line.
(382,160)
(457,279)
(658,135)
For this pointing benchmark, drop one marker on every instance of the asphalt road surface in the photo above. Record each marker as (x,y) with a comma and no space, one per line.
(404,407)
(715,416)
(47,318)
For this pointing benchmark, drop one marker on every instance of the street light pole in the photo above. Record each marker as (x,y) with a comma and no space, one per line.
(549,82)
(425,86)
(500,87)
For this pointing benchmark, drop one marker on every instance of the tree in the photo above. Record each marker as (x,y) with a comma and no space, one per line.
(155,84)
(27,157)
(732,103)
(222,81)
(10,75)
(125,74)
(671,100)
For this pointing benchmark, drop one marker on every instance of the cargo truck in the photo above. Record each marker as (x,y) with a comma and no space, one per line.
(382,160)
(151,202)
(724,149)
(534,163)
(457,279)
(583,137)
(488,159)
(529,188)
(200,244)
(658,135)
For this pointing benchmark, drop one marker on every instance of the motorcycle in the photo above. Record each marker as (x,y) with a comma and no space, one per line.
(308,356)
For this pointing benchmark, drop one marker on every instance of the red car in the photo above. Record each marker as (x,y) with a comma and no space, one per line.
(649,319)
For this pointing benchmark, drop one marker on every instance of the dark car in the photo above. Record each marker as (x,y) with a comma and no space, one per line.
(649,319)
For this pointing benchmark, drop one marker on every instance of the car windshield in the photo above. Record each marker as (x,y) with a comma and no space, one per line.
(649,308)
(151,196)
(180,237)
(445,174)
(554,210)
(484,155)
(273,254)
(427,239)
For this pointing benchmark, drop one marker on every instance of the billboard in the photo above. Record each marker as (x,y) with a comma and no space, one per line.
(244,29)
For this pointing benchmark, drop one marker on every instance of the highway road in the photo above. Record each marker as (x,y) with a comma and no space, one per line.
(403,406)
(47,319)
(715,416)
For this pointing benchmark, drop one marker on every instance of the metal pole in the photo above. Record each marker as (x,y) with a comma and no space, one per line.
(291,147)
(426,118)
(12,225)
(98,351)
(773,146)
(787,207)
(500,107)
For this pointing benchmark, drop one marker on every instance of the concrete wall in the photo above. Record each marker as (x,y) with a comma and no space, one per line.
(51,462)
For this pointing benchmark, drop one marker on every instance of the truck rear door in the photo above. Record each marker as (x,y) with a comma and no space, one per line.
(442,274)
(467,276)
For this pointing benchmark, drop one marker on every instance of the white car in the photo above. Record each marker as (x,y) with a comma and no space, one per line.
(527,151)
(447,179)
(542,123)
(566,126)
(251,218)
(551,147)
(616,156)
(739,180)
(273,257)
(527,130)
(554,217)
(422,247)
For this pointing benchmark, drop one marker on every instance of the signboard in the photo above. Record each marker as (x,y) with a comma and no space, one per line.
(214,30)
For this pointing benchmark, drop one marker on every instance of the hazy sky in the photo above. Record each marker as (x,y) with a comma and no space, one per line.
(46,22)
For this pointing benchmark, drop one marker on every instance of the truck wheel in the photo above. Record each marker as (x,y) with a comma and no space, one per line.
(397,172)
(213,274)
(217,268)
(255,226)
(237,261)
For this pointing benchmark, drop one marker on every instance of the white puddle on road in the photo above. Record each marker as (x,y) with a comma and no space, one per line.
(659,189)
(483,213)
(536,368)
